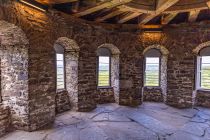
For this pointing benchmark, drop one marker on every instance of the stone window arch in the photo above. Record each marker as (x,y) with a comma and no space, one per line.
(14,73)
(114,74)
(71,58)
(158,93)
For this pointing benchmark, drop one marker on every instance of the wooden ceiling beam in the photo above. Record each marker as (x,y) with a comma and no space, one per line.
(129,17)
(75,7)
(110,4)
(193,15)
(110,15)
(168,18)
(51,2)
(161,6)
(208,4)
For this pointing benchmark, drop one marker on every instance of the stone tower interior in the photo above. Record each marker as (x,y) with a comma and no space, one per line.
(105,70)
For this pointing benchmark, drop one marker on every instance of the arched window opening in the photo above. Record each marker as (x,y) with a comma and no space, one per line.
(108,57)
(152,68)
(203,69)
(67,58)
(104,67)
(155,73)
(60,67)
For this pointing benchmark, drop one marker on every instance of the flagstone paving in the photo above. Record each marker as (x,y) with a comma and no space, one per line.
(150,121)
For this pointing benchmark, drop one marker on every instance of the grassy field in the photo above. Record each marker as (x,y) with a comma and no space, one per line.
(205,78)
(103,79)
(152,78)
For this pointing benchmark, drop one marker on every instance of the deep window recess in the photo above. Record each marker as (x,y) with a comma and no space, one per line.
(152,68)
(60,71)
(104,67)
(203,69)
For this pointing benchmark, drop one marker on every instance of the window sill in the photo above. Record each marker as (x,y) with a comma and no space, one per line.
(207,90)
(60,90)
(152,87)
(108,87)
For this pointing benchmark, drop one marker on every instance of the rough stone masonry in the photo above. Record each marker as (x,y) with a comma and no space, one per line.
(29,91)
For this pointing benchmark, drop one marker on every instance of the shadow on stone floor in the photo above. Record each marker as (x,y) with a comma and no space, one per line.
(150,121)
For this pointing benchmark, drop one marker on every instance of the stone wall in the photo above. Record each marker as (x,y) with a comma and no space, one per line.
(105,95)
(153,94)
(62,101)
(14,73)
(4,119)
(203,98)
(43,29)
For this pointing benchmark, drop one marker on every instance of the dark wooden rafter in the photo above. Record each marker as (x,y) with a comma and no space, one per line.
(109,5)
(208,4)
(193,15)
(167,18)
(50,2)
(125,10)
(129,17)
(161,6)
(110,15)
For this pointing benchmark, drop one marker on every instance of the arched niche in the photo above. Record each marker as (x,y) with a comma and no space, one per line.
(115,58)
(163,54)
(71,57)
(14,73)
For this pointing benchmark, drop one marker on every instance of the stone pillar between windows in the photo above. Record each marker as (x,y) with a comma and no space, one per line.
(14,76)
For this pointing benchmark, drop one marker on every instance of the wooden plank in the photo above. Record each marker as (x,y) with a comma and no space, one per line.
(129,17)
(193,15)
(75,7)
(168,18)
(110,4)
(146,18)
(110,15)
(50,2)
(161,6)
(150,26)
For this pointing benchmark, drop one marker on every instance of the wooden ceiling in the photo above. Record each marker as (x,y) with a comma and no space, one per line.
(134,11)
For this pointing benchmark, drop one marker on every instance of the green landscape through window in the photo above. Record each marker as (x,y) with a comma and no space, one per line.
(104,71)
(152,71)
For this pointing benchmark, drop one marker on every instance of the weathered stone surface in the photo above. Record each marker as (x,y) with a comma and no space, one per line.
(105,95)
(14,74)
(62,102)
(151,121)
(152,94)
(4,119)
(183,135)
(197,129)
(203,98)
(36,100)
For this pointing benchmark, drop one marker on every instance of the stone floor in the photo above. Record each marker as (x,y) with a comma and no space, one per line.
(150,121)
